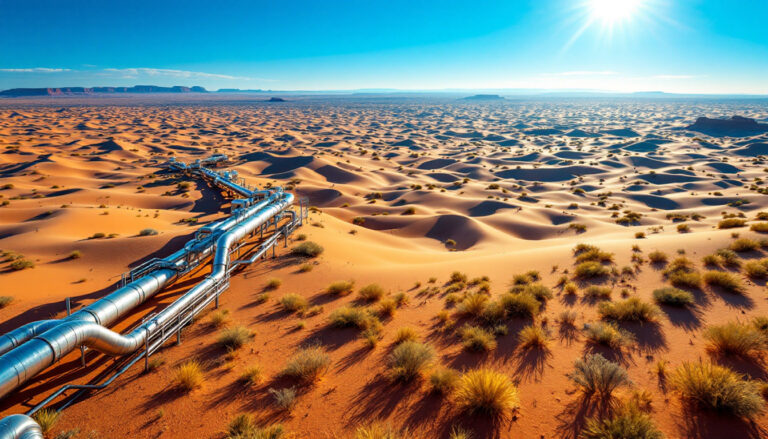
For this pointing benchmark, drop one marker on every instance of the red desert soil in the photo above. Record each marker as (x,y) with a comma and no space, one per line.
(404,192)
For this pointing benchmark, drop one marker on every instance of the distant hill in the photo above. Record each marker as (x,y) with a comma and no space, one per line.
(237,90)
(86,91)
(484,98)
(736,126)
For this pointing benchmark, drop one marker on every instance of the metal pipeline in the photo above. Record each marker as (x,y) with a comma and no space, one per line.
(27,360)
(20,427)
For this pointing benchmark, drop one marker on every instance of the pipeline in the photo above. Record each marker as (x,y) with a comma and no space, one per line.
(28,350)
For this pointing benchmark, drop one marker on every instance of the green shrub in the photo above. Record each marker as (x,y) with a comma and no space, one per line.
(476,338)
(147,232)
(308,364)
(673,296)
(718,388)
(21,264)
(409,359)
(632,309)
(308,249)
(596,375)
(75,254)
(727,281)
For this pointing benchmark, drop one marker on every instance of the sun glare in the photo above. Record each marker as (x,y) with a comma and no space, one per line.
(612,11)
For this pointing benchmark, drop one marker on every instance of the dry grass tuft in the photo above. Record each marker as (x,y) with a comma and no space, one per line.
(371,293)
(735,338)
(520,305)
(673,296)
(444,380)
(596,375)
(487,391)
(727,281)
(293,302)
(533,336)
(409,359)
(718,388)
(188,375)
(406,333)
(234,337)
(47,419)
(308,364)
(243,426)
(477,338)
(340,287)
(608,334)
(308,249)
(632,309)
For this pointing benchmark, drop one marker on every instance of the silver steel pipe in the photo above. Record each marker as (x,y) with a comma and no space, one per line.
(27,360)
(20,427)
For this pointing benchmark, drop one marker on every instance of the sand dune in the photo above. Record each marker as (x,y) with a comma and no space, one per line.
(401,191)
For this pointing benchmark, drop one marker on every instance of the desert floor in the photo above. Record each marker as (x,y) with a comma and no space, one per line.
(405,190)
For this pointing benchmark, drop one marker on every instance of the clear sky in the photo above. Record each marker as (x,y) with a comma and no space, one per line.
(698,46)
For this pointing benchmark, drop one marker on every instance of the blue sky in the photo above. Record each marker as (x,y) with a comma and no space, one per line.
(696,46)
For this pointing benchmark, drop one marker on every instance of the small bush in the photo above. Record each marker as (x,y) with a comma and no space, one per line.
(409,359)
(306,268)
(520,304)
(252,375)
(273,284)
(596,375)
(596,292)
(307,364)
(629,423)
(406,333)
(718,388)
(590,269)
(727,281)
(340,287)
(21,264)
(539,291)
(220,318)
(46,418)
(350,316)
(476,338)
(285,398)
(487,391)
(607,334)
(235,337)
(147,232)
(756,269)
(730,223)
(673,296)
(735,338)
(371,292)
(473,304)
(744,245)
(444,380)
(378,430)
(632,309)
(293,302)
(188,375)
(657,257)
(308,249)
(533,336)
(759,227)
(75,254)
(5,301)
(243,426)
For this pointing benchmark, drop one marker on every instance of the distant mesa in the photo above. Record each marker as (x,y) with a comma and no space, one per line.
(89,91)
(736,126)
(484,98)
(237,90)
(276,99)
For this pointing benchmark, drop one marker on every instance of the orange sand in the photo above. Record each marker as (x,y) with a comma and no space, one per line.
(79,169)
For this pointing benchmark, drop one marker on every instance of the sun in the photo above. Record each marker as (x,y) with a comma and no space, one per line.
(613,11)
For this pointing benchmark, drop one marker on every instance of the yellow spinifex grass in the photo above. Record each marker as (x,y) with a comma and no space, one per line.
(487,391)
